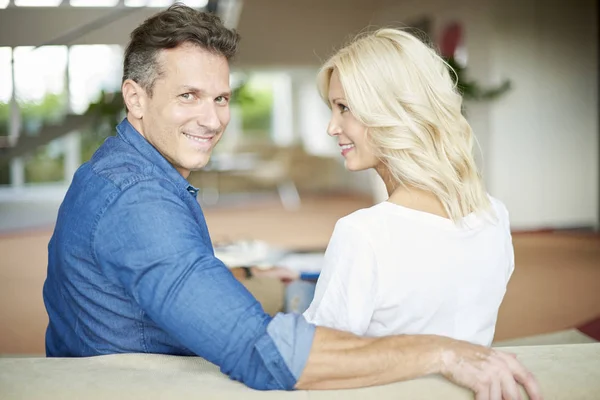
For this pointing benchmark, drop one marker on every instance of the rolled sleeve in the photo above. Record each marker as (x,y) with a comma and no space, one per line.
(293,337)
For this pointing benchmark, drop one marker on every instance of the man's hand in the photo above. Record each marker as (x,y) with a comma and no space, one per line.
(491,374)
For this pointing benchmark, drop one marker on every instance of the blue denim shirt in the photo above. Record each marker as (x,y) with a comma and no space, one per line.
(131,269)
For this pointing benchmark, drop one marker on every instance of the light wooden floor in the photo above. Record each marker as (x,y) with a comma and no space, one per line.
(556,284)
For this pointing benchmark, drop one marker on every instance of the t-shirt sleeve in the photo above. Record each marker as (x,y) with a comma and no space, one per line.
(505,220)
(346,292)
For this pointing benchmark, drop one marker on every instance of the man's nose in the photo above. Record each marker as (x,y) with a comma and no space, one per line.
(209,118)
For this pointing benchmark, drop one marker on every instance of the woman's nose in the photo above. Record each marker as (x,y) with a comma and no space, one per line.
(333,129)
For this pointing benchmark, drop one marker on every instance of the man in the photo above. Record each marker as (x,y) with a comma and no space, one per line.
(131,265)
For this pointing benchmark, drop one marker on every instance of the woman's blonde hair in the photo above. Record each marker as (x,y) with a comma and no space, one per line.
(402,91)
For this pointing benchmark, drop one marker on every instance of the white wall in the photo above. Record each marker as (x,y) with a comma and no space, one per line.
(540,141)
(543,153)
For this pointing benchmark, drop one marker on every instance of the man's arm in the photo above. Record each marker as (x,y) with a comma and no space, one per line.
(341,360)
(151,244)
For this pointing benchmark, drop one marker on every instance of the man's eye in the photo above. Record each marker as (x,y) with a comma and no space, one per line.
(221,100)
(187,96)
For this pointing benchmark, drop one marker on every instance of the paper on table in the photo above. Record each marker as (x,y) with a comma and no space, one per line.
(262,255)
(245,253)
(302,262)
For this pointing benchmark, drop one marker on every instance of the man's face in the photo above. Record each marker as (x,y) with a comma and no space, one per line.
(189,108)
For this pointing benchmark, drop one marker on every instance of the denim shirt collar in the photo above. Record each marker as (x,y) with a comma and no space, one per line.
(129,134)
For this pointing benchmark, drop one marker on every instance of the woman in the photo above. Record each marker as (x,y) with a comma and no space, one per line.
(435,258)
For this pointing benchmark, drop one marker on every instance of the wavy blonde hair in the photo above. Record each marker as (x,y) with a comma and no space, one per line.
(402,91)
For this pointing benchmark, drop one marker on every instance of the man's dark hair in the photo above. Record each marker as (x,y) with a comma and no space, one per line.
(171,28)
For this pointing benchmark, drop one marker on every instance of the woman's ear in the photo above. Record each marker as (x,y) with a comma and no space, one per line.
(134,97)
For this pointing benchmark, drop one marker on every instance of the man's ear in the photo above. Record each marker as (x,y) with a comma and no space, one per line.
(134,97)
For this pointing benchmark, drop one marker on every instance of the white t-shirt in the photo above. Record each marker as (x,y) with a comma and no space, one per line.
(393,270)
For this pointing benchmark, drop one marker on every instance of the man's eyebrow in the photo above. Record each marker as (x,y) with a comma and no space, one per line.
(195,90)
(191,89)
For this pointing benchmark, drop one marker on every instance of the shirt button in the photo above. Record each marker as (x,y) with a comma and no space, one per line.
(193,191)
